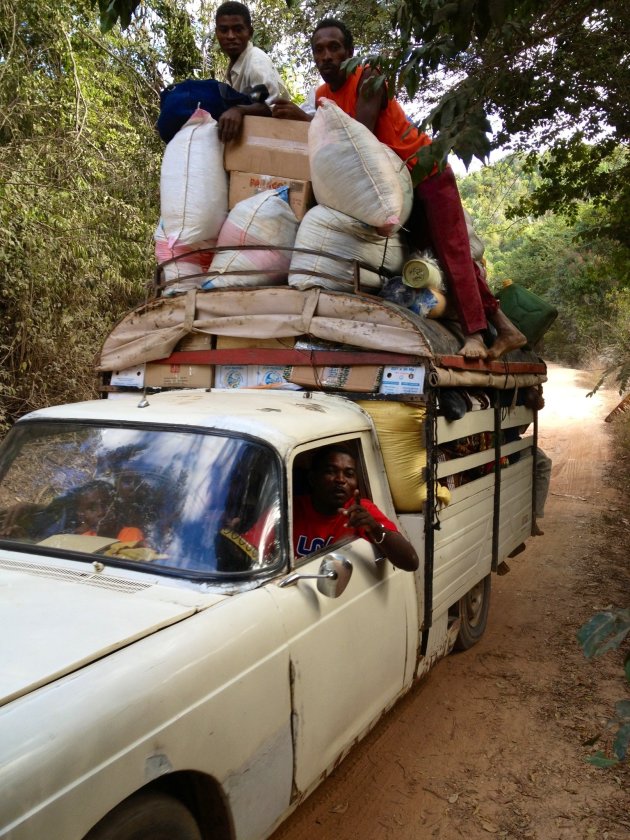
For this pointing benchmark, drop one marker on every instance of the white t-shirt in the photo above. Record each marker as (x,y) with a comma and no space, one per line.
(254,67)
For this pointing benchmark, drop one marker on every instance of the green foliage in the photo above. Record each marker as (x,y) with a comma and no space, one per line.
(574,172)
(604,632)
(620,375)
(111,11)
(79,163)
(555,256)
(181,53)
(590,188)
(546,71)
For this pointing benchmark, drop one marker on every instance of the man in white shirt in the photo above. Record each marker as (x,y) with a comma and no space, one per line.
(249,66)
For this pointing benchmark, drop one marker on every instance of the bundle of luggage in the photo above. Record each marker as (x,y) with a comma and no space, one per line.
(248,220)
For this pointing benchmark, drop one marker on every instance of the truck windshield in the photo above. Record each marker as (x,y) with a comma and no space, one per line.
(175,500)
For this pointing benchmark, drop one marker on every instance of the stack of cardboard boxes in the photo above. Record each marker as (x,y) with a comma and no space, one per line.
(269,154)
(368,379)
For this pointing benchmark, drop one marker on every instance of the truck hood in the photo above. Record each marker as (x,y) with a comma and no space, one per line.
(58,617)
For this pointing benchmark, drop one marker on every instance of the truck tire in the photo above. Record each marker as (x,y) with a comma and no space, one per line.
(473,614)
(147,816)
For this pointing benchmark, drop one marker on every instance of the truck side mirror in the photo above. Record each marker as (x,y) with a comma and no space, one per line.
(333,587)
(333,576)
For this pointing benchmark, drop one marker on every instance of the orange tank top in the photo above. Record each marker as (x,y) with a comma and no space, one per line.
(392,126)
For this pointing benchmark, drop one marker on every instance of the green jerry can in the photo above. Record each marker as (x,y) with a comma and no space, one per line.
(531,314)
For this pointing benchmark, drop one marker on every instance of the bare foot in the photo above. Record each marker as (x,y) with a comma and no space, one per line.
(504,343)
(473,347)
(536,532)
(508,336)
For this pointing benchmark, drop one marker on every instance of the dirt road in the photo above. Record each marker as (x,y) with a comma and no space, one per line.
(492,741)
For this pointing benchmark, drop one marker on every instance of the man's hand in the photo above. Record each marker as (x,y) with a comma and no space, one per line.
(284,109)
(359,517)
(394,546)
(371,100)
(230,123)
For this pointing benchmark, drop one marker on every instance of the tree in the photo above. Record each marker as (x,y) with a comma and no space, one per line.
(79,163)
(111,11)
(544,69)
(549,255)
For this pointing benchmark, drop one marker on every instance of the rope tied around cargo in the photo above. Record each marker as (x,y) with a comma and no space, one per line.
(382,271)
(189,310)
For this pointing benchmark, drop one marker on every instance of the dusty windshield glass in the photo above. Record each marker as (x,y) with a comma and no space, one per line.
(176,500)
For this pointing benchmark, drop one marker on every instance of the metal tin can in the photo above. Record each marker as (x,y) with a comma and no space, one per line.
(421,274)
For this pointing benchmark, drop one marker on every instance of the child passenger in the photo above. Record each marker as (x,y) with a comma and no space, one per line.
(93,504)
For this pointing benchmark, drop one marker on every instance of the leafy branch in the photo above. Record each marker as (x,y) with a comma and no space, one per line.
(603,632)
(620,373)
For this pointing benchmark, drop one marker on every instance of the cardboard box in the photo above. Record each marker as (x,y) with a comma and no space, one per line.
(249,376)
(178,376)
(129,377)
(245,184)
(236,342)
(402,380)
(266,376)
(230,376)
(195,341)
(365,378)
(276,147)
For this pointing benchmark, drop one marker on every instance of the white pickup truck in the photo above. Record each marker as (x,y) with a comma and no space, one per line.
(160,680)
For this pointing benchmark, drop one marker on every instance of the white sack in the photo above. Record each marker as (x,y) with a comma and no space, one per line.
(404,180)
(331,232)
(477,246)
(191,266)
(262,219)
(193,183)
(355,173)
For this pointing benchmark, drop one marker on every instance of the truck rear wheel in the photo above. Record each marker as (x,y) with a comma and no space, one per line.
(473,614)
(147,816)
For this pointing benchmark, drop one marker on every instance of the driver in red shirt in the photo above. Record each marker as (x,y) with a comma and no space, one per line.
(334,510)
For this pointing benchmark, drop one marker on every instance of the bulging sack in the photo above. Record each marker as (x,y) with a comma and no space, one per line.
(184,267)
(193,183)
(477,246)
(400,431)
(329,233)
(262,219)
(355,173)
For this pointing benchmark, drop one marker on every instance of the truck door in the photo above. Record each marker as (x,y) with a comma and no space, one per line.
(348,655)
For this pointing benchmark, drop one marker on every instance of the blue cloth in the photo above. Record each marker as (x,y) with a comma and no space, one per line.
(179,102)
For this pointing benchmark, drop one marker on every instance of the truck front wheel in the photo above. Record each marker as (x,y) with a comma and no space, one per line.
(147,816)
(473,614)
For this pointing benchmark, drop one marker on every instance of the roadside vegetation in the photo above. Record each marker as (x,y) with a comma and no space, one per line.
(607,632)
(80,159)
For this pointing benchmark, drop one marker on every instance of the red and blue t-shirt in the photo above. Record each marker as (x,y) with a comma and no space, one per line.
(313,531)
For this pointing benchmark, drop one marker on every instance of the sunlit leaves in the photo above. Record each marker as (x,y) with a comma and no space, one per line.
(79,165)
(181,51)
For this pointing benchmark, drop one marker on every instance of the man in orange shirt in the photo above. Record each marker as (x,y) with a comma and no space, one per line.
(438,217)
